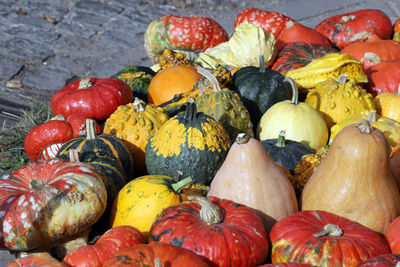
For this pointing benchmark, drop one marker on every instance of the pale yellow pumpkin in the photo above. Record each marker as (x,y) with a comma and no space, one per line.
(388,105)
(301,122)
(354,179)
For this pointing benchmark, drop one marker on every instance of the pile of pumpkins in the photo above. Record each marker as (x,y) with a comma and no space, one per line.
(293,159)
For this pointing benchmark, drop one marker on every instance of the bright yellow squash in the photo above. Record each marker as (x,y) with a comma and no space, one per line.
(387,104)
(139,201)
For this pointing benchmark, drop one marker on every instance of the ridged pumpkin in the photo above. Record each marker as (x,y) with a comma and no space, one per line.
(191,143)
(354,177)
(135,123)
(387,105)
(385,260)
(301,122)
(338,99)
(392,235)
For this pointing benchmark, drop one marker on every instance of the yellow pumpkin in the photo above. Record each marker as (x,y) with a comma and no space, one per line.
(301,122)
(389,127)
(329,66)
(135,123)
(139,201)
(338,99)
(387,105)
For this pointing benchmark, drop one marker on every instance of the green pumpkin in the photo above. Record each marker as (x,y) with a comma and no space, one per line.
(284,152)
(224,106)
(191,144)
(259,89)
(102,144)
(138,78)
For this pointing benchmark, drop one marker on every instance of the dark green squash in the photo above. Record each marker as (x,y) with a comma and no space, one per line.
(259,89)
(102,144)
(284,152)
(190,143)
(138,78)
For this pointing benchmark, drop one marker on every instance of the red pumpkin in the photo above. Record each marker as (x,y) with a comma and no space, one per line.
(44,140)
(386,260)
(323,238)
(43,203)
(384,77)
(271,21)
(225,232)
(286,264)
(36,260)
(392,235)
(97,98)
(106,246)
(356,27)
(296,32)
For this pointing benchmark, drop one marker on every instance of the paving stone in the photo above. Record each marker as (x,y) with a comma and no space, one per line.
(84,31)
(54,11)
(84,18)
(96,8)
(44,78)
(33,21)
(35,34)
(76,65)
(128,25)
(117,38)
(106,68)
(25,49)
(9,68)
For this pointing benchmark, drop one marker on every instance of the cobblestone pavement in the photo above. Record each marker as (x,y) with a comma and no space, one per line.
(45,44)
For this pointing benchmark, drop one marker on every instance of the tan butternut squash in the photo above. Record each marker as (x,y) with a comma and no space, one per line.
(354,179)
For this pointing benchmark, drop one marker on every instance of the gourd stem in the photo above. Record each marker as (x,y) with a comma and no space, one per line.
(372,57)
(295,97)
(209,212)
(85,83)
(90,129)
(178,186)
(157,262)
(372,116)
(262,63)
(190,110)
(58,117)
(138,105)
(330,230)
(242,138)
(73,155)
(210,77)
(342,78)
(35,183)
(365,126)
(281,139)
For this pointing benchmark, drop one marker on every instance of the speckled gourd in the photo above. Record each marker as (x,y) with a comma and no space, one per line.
(338,99)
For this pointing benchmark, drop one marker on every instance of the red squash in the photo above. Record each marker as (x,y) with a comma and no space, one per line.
(392,235)
(36,260)
(106,246)
(271,21)
(386,260)
(97,98)
(224,232)
(384,77)
(323,238)
(355,27)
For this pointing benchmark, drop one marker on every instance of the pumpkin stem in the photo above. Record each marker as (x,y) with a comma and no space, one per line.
(365,126)
(58,117)
(330,230)
(281,139)
(348,18)
(190,109)
(157,262)
(90,129)
(295,97)
(139,105)
(85,83)
(372,57)
(242,138)
(262,63)
(372,116)
(342,79)
(209,212)
(210,77)
(289,24)
(178,186)
(398,90)
(35,184)
(73,155)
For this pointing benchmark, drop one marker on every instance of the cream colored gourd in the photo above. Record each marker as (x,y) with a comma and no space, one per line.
(250,176)
(301,122)
(354,179)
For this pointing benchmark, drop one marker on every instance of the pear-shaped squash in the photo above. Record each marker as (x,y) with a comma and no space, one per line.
(250,176)
(354,179)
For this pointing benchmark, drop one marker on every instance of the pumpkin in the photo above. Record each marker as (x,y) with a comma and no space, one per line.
(103,144)
(285,152)
(182,33)
(329,66)
(171,81)
(286,264)
(135,123)
(224,232)
(42,259)
(383,77)
(390,128)
(338,99)
(44,140)
(249,176)
(353,177)
(271,21)
(156,254)
(47,202)
(225,107)
(297,32)
(138,78)
(139,202)
(387,104)
(396,30)
(323,238)
(392,235)
(97,98)
(106,246)
(259,89)
(295,55)
(386,260)
(301,122)
(355,27)
(190,142)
